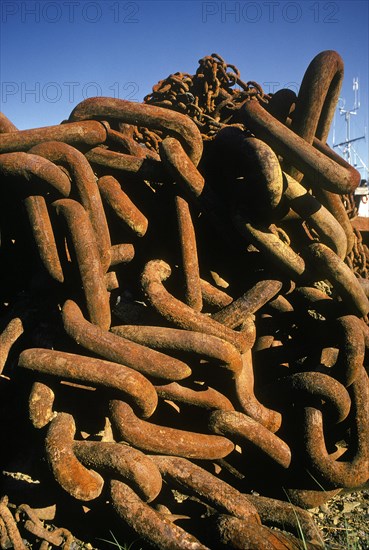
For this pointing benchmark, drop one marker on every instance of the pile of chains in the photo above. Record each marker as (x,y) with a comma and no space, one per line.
(209,97)
(31,521)
(184,307)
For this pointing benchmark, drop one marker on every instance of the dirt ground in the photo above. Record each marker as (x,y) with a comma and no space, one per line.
(344,521)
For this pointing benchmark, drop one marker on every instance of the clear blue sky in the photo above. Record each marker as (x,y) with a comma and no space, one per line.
(56,53)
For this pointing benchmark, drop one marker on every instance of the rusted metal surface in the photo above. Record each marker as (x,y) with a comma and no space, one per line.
(119,349)
(247,401)
(351,354)
(329,266)
(84,133)
(148,116)
(311,119)
(155,438)
(232,532)
(305,386)
(208,398)
(278,513)
(84,185)
(122,205)
(121,462)
(244,430)
(43,233)
(121,254)
(33,524)
(318,217)
(93,371)
(148,523)
(254,299)
(180,166)
(280,253)
(157,271)
(89,264)
(213,296)
(173,339)
(40,404)
(169,287)
(146,168)
(6,125)
(345,473)
(315,165)
(205,485)
(77,480)
(318,96)
(123,139)
(10,535)
(8,337)
(32,167)
(190,262)
(252,173)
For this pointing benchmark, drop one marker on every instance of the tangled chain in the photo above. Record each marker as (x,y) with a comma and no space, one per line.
(358,258)
(209,97)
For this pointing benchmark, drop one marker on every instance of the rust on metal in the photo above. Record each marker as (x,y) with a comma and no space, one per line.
(122,205)
(6,125)
(153,275)
(88,132)
(328,265)
(247,401)
(88,259)
(42,230)
(81,483)
(188,247)
(250,359)
(170,339)
(93,371)
(148,116)
(40,404)
(84,183)
(180,166)
(207,398)
(32,167)
(318,217)
(219,494)
(119,349)
(234,314)
(243,429)
(149,524)
(121,462)
(151,437)
(297,151)
(349,473)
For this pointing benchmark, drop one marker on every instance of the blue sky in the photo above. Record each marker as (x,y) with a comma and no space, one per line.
(56,53)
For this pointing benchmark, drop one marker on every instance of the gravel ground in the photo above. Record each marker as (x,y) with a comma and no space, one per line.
(344,521)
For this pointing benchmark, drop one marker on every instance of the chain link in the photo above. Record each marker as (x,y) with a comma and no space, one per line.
(208,97)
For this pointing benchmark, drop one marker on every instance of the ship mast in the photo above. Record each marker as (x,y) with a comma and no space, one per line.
(348,151)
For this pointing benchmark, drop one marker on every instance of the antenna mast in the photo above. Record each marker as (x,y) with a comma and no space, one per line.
(348,151)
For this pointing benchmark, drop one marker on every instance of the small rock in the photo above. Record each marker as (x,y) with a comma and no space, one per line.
(349,506)
(336,520)
(324,508)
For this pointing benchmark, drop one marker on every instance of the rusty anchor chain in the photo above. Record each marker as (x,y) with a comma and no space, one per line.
(185,301)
